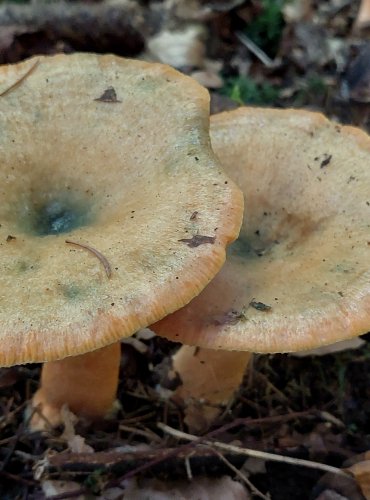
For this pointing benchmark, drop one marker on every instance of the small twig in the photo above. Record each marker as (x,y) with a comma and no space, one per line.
(271,386)
(37,409)
(13,446)
(141,432)
(20,80)
(259,53)
(17,478)
(139,418)
(137,395)
(328,417)
(7,440)
(183,450)
(69,494)
(252,453)
(242,476)
(26,456)
(167,454)
(6,411)
(97,254)
(4,420)
(188,468)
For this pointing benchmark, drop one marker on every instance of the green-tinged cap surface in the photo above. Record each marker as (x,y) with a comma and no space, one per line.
(114,211)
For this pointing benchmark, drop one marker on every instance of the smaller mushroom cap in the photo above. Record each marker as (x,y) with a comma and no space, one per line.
(114,210)
(298,277)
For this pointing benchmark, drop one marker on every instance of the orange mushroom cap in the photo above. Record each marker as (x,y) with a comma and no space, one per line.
(114,211)
(298,277)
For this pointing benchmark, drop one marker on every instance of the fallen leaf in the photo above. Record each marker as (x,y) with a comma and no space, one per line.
(180,49)
(297,10)
(57,487)
(76,443)
(199,488)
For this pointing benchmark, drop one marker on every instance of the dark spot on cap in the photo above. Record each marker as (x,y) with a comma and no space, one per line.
(197,240)
(260,306)
(109,95)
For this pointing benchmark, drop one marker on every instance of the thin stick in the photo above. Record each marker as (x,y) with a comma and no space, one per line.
(242,476)
(17,478)
(166,455)
(68,494)
(141,432)
(188,468)
(97,254)
(253,453)
(262,56)
(139,418)
(20,80)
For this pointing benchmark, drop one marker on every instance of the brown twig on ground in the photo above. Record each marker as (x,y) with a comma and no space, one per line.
(17,478)
(13,446)
(147,433)
(144,460)
(241,476)
(253,453)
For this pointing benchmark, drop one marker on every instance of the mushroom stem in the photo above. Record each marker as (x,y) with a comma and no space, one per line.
(209,379)
(87,384)
(363,16)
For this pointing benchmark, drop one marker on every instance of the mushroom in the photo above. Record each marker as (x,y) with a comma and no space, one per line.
(209,379)
(298,276)
(363,16)
(104,162)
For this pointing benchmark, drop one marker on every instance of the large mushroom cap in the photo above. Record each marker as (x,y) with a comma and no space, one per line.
(298,276)
(112,154)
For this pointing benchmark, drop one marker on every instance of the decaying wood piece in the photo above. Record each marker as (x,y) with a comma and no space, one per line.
(125,461)
(98,26)
(123,27)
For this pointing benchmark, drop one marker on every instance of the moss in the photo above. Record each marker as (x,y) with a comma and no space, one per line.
(313,90)
(23,266)
(245,90)
(72,291)
(265,29)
